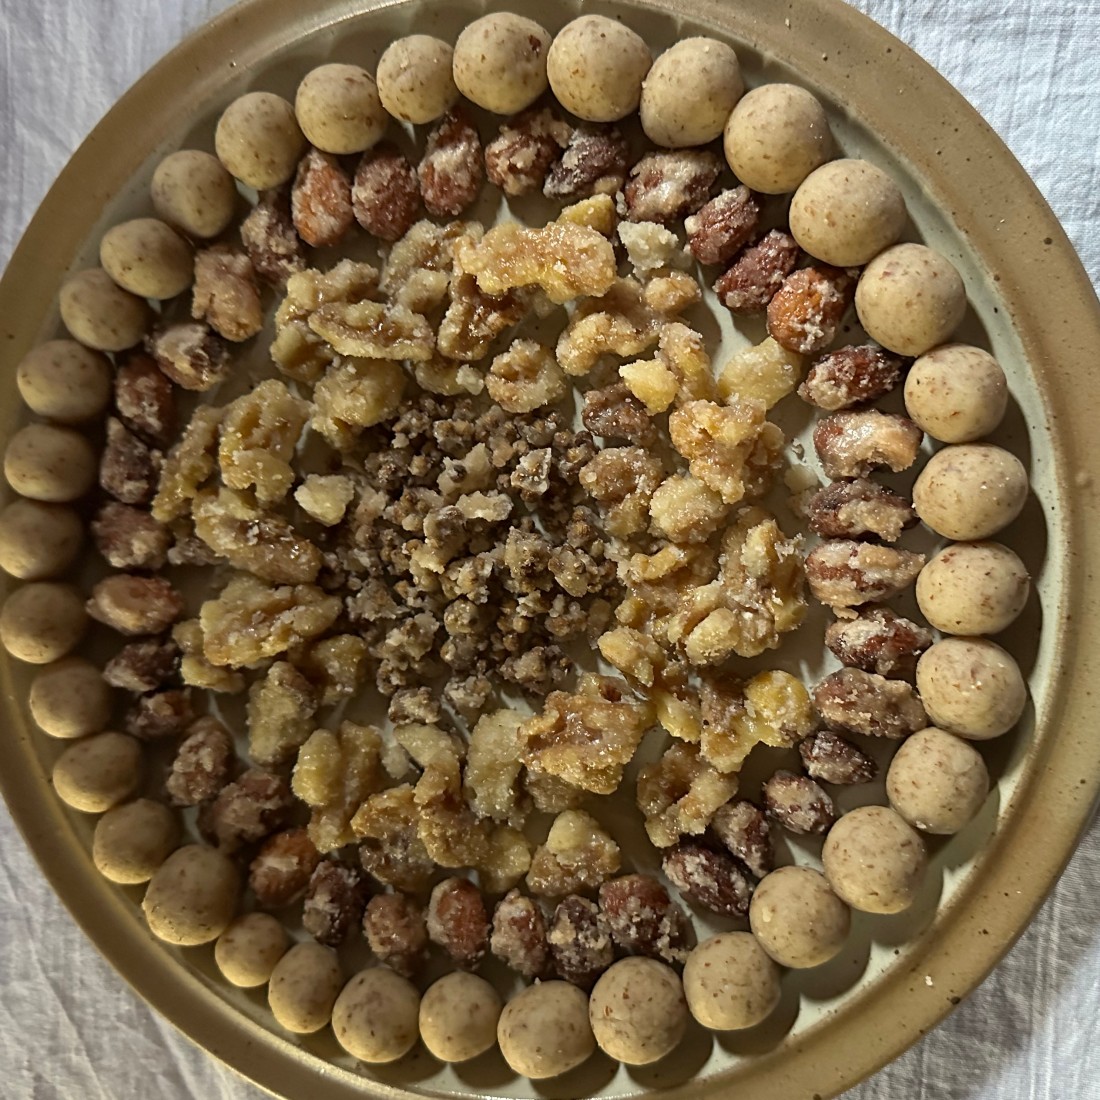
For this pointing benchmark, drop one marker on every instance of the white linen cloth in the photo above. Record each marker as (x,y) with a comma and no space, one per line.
(70,1027)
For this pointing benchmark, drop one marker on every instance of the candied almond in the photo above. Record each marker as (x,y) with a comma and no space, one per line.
(133,604)
(723,226)
(518,158)
(159,715)
(191,354)
(623,481)
(667,185)
(643,920)
(580,941)
(710,878)
(202,763)
(334,902)
(395,928)
(594,162)
(458,922)
(130,538)
(755,277)
(386,192)
(878,640)
(281,870)
(451,169)
(128,467)
(853,509)
(833,759)
(743,828)
(855,701)
(145,400)
(225,294)
(806,311)
(845,574)
(798,803)
(320,200)
(851,376)
(142,666)
(250,808)
(269,238)
(519,935)
(852,444)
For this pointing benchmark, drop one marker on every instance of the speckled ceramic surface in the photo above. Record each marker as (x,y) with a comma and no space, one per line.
(1031,304)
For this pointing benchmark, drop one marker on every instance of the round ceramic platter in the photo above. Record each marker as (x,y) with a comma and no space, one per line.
(1032,305)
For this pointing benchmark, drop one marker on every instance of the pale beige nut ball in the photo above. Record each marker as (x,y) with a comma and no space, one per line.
(956,393)
(38,540)
(70,698)
(258,140)
(148,258)
(247,951)
(846,212)
(544,1030)
(730,982)
(973,588)
(970,491)
(638,1011)
(500,62)
(775,137)
(42,622)
(874,860)
(797,918)
(375,1018)
(937,782)
(971,687)
(910,299)
(416,80)
(98,772)
(458,1017)
(191,896)
(65,381)
(48,463)
(339,109)
(100,314)
(596,67)
(192,191)
(131,841)
(689,92)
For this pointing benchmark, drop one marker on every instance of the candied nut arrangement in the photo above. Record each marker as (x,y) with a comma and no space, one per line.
(479,468)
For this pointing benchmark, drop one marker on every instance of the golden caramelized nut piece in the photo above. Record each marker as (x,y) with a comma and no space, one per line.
(525,377)
(493,767)
(774,709)
(506,861)
(337,666)
(717,441)
(597,212)
(334,775)
(250,620)
(766,372)
(634,654)
(651,246)
(418,267)
(347,282)
(805,313)
(259,434)
(355,394)
(578,854)
(844,574)
(281,707)
(587,737)
(680,793)
(373,330)
(680,372)
(619,322)
(325,497)
(563,259)
(449,830)
(320,200)
(852,444)
(390,848)
(623,480)
(226,295)
(683,510)
(195,669)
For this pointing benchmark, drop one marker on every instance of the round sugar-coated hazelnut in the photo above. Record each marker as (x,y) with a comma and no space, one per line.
(38,540)
(956,393)
(689,92)
(375,1018)
(100,314)
(970,491)
(874,860)
(148,258)
(247,951)
(500,62)
(42,621)
(544,1030)
(70,698)
(303,987)
(910,298)
(45,462)
(65,381)
(258,140)
(596,67)
(775,137)
(797,918)
(191,896)
(730,982)
(971,687)
(131,841)
(458,1017)
(98,772)
(936,781)
(192,191)
(416,80)
(339,109)
(638,1011)
(846,212)
(973,588)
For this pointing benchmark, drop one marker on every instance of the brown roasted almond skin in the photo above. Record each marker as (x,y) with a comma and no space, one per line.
(723,226)
(830,758)
(594,162)
(854,701)
(395,930)
(320,200)
(580,941)
(843,573)
(385,195)
(857,509)
(458,922)
(708,877)
(667,186)
(849,376)
(269,238)
(743,828)
(128,467)
(145,399)
(644,920)
(799,804)
(806,311)
(452,167)
(755,277)
(519,935)
(879,640)
(854,443)
(519,157)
